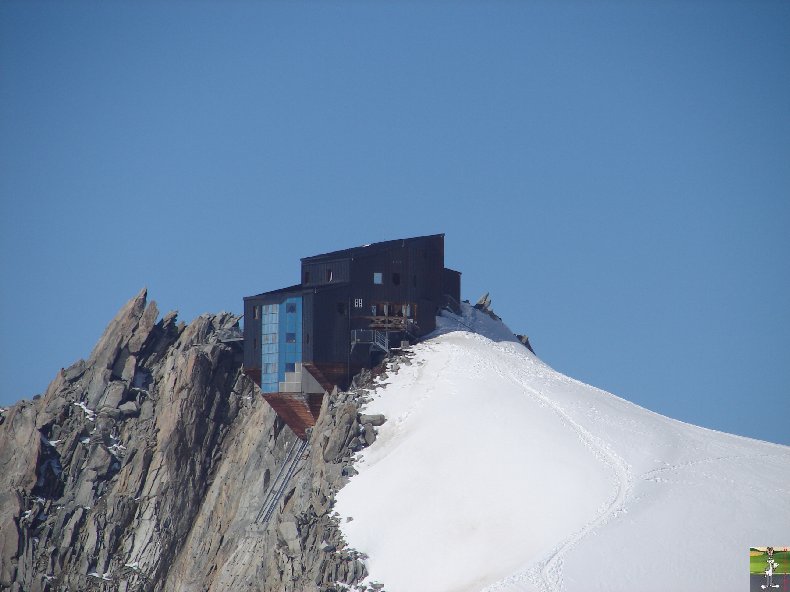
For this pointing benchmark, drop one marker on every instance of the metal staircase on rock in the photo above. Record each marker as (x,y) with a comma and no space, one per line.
(276,491)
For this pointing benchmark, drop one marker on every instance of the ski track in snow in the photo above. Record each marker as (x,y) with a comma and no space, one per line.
(546,574)
(655,474)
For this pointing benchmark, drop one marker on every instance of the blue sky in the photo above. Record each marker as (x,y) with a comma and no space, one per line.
(616,174)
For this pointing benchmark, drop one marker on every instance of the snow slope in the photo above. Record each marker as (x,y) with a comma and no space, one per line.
(496,473)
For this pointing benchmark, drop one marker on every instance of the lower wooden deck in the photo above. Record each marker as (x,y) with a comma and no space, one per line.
(299,411)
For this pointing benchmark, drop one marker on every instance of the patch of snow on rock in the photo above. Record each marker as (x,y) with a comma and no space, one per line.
(89,414)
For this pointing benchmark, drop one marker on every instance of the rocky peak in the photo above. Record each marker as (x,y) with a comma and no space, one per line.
(148,466)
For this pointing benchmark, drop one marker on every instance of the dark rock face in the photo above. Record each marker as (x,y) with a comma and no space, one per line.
(525,342)
(146,466)
(484,304)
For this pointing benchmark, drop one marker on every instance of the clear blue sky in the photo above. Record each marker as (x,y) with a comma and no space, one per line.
(616,174)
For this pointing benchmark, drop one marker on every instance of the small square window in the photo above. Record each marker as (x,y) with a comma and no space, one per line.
(377,277)
(357,302)
(290,367)
(396,279)
(290,338)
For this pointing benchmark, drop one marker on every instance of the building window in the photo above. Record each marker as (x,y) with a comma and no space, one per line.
(341,308)
(290,307)
(377,277)
(290,338)
(396,279)
(329,275)
(306,277)
(357,302)
(256,312)
(290,367)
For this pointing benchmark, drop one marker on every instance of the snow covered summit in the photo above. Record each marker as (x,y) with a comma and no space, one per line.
(496,473)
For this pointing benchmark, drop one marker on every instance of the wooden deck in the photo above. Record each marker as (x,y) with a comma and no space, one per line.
(297,410)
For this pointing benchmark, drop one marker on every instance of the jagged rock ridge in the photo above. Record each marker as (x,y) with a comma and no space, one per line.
(145,467)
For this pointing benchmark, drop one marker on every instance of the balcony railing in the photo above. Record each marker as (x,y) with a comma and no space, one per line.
(388,323)
(379,339)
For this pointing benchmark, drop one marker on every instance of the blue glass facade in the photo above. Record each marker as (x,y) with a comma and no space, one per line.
(281,341)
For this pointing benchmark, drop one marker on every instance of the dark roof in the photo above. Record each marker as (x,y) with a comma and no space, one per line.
(371,249)
(294,288)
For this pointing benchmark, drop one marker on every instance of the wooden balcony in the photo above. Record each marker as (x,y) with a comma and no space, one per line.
(297,410)
(387,323)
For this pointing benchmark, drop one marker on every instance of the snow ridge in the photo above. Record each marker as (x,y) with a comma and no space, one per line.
(496,473)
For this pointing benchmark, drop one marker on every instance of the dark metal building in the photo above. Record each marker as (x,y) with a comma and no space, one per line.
(351,307)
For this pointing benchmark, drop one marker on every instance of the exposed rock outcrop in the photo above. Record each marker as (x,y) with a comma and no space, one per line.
(146,466)
(484,305)
(525,342)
